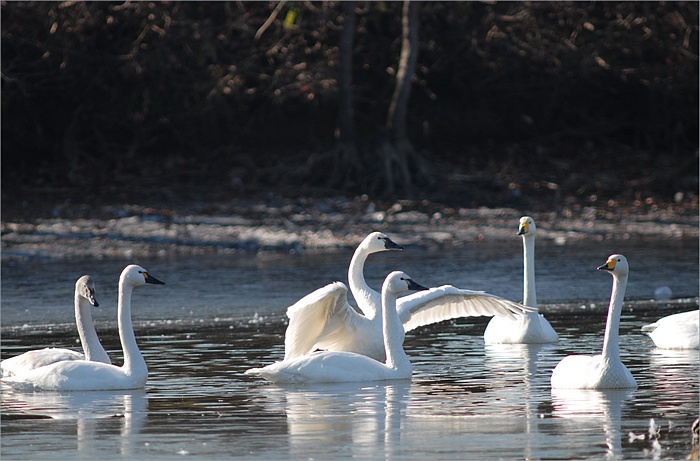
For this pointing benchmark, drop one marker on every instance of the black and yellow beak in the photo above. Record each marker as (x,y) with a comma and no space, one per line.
(608,266)
(151,279)
(524,228)
(414,286)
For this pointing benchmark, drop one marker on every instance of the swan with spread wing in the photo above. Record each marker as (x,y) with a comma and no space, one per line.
(324,319)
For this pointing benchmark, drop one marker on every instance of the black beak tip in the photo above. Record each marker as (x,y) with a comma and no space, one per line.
(415,286)
(390,245)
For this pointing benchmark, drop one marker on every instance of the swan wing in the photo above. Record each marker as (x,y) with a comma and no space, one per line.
(75,375)
(37,359)
(324,313)
(448,302)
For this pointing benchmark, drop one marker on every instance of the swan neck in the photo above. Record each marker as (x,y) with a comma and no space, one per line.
(92,348)
(362,292)
(393,331)
(132,356)
(529,290)
(611,343)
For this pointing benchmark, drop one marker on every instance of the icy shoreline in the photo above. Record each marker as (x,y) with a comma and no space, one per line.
(321,225)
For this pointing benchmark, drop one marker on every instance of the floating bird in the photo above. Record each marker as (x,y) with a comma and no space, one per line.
(92,348)
(531,328)
(76,375)
(605,371)
(677,331)
(339,367)
(324,319)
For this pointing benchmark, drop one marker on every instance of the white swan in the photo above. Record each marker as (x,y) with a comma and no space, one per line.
(340,367)
(605,371)
(677,331)
(324,319)
(88,376)
(94,352)
(531,328)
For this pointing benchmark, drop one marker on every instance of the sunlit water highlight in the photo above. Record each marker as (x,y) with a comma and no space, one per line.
(218,316)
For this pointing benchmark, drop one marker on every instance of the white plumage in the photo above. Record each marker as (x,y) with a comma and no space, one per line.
(87,376)
(324,319)
(531,328)
(677,331)
(84,299)
(338,367)
(604,371)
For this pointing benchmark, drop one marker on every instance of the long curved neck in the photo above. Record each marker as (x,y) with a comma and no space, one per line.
(529,291)
(133,360)
(611,344)
(367,299)
(393,331)
(94,352)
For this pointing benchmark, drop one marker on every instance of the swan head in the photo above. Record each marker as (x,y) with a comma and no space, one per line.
(378,241)
(527,226)
(398,282)
(616,265)
(137,276)
(85,287)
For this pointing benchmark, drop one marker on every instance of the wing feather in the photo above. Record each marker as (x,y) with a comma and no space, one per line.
(317,315)
(448,302)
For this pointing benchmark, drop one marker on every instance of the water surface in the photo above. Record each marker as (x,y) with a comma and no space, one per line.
(218,316)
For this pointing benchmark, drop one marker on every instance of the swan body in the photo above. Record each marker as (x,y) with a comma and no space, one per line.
(604,371)
(93,350)
(340,366)
(677,331)
(532,327)
(88,376)
(324,319)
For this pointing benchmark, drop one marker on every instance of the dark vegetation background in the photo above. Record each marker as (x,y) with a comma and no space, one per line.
(528,104)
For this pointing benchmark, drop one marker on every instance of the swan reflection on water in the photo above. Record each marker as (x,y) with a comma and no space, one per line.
(589,409)
(359,417)
(94,412)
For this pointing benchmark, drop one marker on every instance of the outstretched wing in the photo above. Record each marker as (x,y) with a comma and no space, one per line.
(448,302)
(324,314)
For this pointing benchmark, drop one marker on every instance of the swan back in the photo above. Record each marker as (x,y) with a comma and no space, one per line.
(676,331)
(604,371)
(340,366)
(83,375)
(84,299)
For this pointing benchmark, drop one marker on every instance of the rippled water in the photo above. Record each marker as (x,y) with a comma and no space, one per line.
(219,316)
